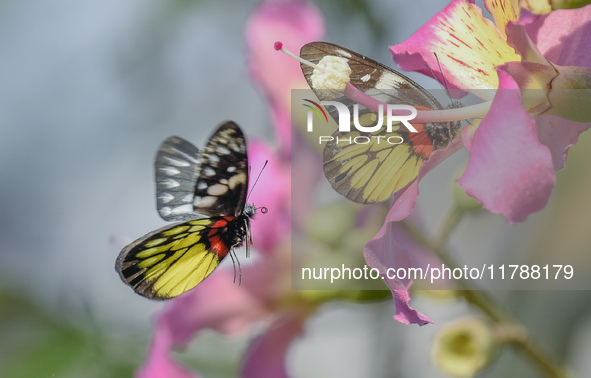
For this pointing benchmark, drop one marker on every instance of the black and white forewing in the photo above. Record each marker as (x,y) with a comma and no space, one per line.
(374,79)
(177,163)
(222,179)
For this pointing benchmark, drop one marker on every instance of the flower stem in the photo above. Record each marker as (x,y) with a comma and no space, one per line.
(521,340)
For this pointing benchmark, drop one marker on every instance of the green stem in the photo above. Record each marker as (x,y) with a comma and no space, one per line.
(541,359)
(480,299)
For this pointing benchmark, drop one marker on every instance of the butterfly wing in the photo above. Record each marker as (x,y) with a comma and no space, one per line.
(371,172)
(222,179)
(190,184)
(177,163)
(174,259)
(373,78)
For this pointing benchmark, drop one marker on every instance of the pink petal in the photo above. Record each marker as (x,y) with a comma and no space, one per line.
(563,36)
(159,363)
(517,37)
(406,314)
(559,134)
(393,248)
(467,45)
(503,12)
(384,252)
(217,303)
(534,80)
(509,170)
(273,191)
(266,355)
(294,23)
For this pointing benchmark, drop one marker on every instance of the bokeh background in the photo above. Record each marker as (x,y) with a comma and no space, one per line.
(88,91)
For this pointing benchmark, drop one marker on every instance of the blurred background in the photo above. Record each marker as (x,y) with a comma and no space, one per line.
(89,90)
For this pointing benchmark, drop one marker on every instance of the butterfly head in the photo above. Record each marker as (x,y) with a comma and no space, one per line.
(249,212)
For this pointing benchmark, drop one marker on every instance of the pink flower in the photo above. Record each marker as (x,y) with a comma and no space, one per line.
(218,303)
(295,23)
(272,191)
(392,247)
(514,149)
(265,356)
(473,53)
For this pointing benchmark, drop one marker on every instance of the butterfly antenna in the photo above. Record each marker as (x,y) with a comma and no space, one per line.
(443,78)
(442,75)
(257,180)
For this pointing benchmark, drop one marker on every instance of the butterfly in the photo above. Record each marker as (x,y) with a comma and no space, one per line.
(372,172)
(205,192)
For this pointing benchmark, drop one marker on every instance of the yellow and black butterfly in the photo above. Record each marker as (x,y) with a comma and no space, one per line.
(372,172)
(207,192)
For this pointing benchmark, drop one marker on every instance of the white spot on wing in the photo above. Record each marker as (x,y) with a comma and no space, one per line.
(203,201)
(388,80)
(176,162)
(222,149)
(366,78)
(187,199)
(234,146)
(217,189)
(208,171)
(231,169)
(201,185)
(170,171)
(343,53)
(213,158)
(182,209)
(236,180)
(170,183)
(166,197)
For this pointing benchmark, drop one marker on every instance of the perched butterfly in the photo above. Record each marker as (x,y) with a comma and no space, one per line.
(207,192)
(372,172)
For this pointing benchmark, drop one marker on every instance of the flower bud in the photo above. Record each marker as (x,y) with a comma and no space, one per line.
(464,348)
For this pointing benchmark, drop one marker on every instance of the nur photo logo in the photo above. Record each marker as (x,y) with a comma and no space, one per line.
(393,116)
(316,109)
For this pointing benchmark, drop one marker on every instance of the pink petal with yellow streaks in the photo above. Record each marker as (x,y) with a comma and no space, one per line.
(503,11)
(468,46)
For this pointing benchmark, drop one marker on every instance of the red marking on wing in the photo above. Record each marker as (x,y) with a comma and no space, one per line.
(218,246)
(420,142)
